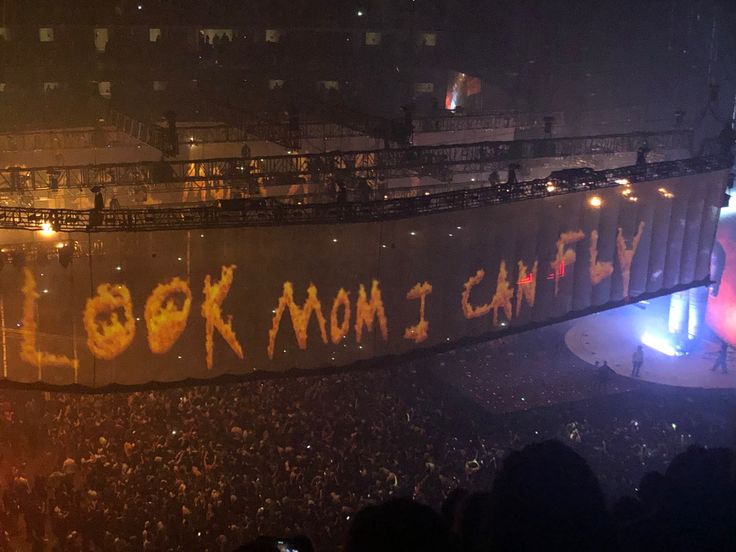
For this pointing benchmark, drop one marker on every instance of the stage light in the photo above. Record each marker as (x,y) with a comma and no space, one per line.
(728,211)
(47,229)
(550,187)
(660,344)
(595,201)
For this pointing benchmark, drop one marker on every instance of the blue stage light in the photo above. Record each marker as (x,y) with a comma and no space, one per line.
(661,344)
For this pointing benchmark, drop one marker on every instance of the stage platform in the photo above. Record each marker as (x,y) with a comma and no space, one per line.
(613,336)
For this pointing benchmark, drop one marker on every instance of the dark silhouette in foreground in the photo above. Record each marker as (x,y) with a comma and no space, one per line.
(546,497)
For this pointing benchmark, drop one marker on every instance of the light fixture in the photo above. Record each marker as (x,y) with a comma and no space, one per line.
(47,229)
(550,187)
(660,344)
(595,201)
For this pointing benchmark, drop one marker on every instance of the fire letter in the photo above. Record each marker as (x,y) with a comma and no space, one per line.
(504,293)
(598,271)
(469,310)
(564,257)
(28,349)
(299,317)
(418,333)
(107,336)
(367,311)
(626,256)
(165,320)
(338,333)
(526,286)
(214,295)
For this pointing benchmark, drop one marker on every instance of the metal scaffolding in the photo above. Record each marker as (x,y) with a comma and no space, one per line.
(331,209)
(386,163)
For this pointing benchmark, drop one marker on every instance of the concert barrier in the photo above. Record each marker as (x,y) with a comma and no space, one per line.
(424,160)
(391,279)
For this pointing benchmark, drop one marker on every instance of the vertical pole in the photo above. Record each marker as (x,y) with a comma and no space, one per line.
(91,294)
(2,325)
(713,54)
(189,256)
(74,322)
(38,348)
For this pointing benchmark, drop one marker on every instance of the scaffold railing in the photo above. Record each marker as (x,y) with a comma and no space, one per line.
(335,209)
(272,131)
(152,135)
(385,163)
(487,121)
(207,134)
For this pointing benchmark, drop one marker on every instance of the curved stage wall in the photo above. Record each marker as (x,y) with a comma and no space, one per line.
(721,312)
(167,306)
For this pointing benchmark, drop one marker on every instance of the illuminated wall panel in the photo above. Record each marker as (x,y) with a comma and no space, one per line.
(166,306)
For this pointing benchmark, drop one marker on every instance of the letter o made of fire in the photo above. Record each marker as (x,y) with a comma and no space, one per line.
(338,331)
(107,335)
(165,318)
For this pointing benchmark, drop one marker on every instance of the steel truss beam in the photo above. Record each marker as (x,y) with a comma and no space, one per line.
(291,210)
(387,163)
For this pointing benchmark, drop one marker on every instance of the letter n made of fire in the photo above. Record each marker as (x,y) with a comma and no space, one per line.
(626,256)
(503,296)
(214,295)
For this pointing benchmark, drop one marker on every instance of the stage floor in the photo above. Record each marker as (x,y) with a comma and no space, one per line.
(614,335)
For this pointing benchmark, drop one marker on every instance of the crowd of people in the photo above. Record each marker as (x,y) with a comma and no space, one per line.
(210,468)
(546,497)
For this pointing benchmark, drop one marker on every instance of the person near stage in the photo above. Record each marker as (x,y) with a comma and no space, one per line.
(604,373)
(493,178)
(721,359)
(641,155)
(637,359)
(99,200)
